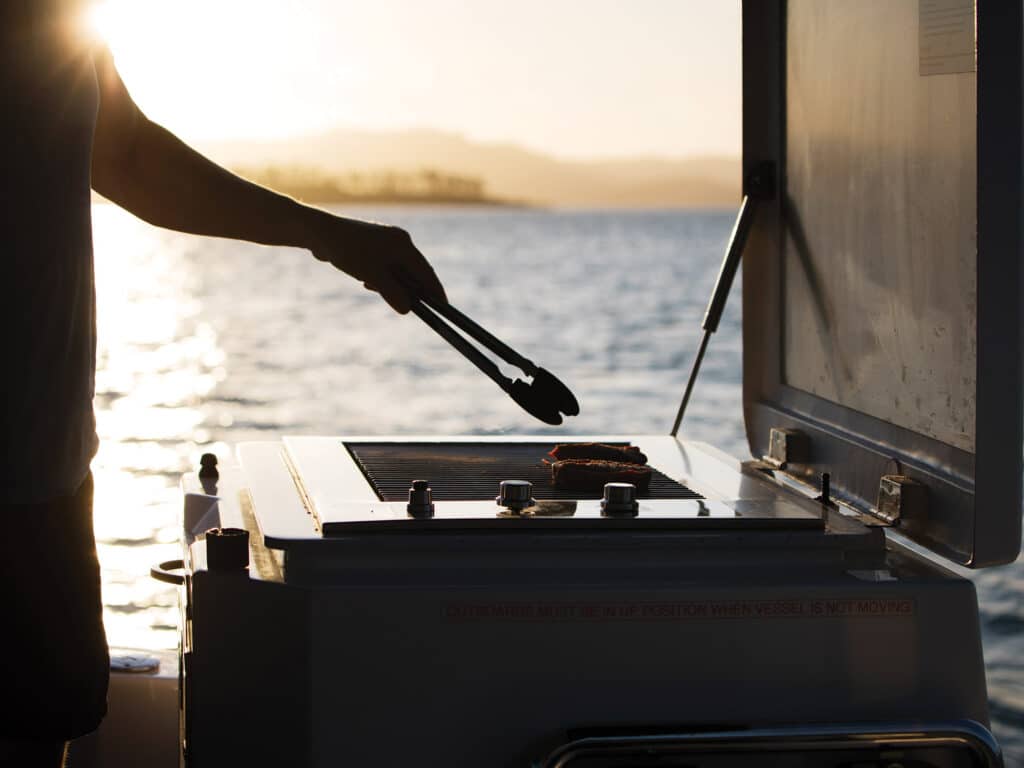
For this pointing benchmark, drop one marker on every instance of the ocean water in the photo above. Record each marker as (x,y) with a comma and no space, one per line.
(205,343)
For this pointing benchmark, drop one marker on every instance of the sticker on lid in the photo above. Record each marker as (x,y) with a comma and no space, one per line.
(945,36)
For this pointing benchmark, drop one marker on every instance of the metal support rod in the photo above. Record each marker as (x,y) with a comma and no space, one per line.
(691,381)
(716,305)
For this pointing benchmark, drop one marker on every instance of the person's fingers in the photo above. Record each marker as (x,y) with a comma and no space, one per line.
(426,278)
(412,268)
(397,297)
(398,301)
(396,294)
(422,283)
(399,273)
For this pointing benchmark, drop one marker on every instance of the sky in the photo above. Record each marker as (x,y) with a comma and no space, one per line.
(572,78)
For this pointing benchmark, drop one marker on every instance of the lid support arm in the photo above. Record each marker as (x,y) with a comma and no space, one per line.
(759,187)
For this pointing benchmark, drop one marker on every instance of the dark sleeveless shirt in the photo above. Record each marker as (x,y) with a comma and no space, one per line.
(48,105)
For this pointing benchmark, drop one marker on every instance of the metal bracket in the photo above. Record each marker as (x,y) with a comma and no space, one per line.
(760,182)
(900,496)
(787,446)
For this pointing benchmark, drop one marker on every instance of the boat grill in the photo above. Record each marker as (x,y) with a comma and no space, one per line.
(472,471)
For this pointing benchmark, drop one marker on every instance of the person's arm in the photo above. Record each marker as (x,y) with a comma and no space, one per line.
(147,170)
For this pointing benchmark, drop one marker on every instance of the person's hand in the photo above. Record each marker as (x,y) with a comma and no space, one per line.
(384,258)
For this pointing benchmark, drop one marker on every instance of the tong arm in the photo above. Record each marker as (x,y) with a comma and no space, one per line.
(471,353)
(490,341)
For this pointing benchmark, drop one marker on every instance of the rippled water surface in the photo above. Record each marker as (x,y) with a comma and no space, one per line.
(205,343)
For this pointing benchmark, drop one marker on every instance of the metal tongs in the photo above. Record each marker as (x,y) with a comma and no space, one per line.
(545,397)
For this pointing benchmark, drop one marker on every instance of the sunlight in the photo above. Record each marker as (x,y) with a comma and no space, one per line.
(105,20)
(214,70)
(158,362)
(205,68)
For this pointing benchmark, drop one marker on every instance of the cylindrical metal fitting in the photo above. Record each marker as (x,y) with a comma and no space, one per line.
(227,549)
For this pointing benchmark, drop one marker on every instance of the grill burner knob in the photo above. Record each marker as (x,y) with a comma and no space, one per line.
(516,495)
(421,502)
(619,500)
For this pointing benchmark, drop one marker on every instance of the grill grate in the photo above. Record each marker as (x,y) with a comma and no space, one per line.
(472,471)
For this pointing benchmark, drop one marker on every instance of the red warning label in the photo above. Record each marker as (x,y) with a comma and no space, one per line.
(677,610)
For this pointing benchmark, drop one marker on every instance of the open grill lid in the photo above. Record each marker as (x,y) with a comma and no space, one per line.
(882,319)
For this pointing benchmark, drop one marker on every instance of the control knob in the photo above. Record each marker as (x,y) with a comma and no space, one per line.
(619,500)
(421,502)
(515,495)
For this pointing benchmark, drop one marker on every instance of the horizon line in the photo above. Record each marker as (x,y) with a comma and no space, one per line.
(637,155)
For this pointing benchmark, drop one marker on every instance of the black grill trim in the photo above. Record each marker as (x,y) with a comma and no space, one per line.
(469,471)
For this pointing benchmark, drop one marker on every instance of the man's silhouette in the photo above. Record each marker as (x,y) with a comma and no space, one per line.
(67,124)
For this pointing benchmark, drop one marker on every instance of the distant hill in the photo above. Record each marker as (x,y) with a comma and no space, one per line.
(425,186)
(508,171)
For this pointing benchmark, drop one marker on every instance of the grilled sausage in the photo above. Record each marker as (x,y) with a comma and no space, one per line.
(591,475)
(628,454)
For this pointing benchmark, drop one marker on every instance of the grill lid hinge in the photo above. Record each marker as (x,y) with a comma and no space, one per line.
(787,446)
(900,496)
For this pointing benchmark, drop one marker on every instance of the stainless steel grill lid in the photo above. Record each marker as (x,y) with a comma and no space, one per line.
(881,299)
